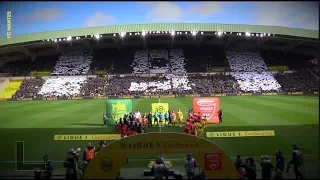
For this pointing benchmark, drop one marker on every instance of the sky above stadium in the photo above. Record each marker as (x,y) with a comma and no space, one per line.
(31,17)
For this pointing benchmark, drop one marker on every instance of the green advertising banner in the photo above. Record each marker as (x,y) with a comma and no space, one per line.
(116,108)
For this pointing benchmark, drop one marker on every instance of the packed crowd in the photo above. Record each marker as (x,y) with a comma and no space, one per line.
(177,62)
(17,68)
(62,87)
(213,84)
(301,80)
(73,63)
(257,82)
(159,61)
(94,87)
(29,88)
(203,59)
(250,72)
(156,85)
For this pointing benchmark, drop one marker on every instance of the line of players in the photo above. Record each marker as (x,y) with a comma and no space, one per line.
(195,124)
(133,123)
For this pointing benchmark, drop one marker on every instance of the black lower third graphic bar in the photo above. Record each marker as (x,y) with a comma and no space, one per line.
(22,165)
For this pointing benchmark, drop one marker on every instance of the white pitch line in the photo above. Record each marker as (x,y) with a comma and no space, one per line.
(174,159)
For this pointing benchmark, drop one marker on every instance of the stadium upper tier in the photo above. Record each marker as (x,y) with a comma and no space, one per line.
(157,60)
(157,28)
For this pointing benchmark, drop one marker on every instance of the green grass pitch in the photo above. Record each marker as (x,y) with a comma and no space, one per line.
(293,118)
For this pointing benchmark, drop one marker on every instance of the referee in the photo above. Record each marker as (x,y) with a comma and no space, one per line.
(220,115)
(105,119)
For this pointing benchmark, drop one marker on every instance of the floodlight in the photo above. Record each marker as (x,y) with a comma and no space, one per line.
(257,34)
(122,34)
(269,34)
(201,32)
(219,33)
(114,34)
(215,33)
(247,34)
(55,40)
(69,38)
(143,33)
(130,34)
(172,33)
(186,33)
(261,35)
(194,33)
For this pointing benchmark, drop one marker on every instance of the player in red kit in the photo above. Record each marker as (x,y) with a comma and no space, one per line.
(199,117)
(187,127)
(193,130)
(190,115)
(118,127)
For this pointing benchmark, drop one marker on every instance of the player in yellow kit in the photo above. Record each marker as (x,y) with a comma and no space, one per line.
(180,117)
(199,128)
(204,122)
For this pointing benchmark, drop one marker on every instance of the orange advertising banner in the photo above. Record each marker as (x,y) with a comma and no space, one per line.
(208,107)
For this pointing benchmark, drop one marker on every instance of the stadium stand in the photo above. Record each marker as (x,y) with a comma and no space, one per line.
(73,63)
(10,89)
(120,85)
(153,84)
(94,87)
(17,68)
(103,59)
(123,61)
(158,59)
(62,87)
(177,62)
(250,72)
(301,80)
(314,66)
(257,82)
(213,84)
(29,88)
(140,62)
(245,61)
(44,63)
(204,58)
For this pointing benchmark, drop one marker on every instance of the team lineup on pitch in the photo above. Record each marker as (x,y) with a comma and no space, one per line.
(83,117)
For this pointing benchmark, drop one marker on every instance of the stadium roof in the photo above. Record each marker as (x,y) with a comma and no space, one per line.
(29,43)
